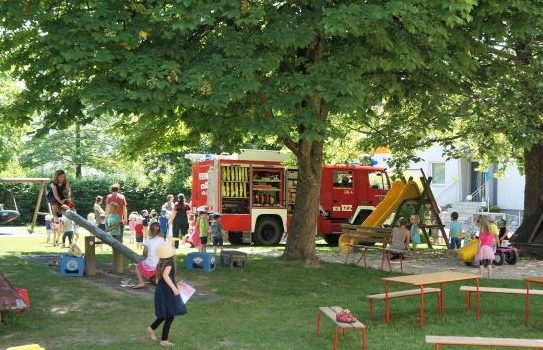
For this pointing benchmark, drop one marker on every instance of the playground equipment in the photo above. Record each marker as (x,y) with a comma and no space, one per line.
(9,215)
(402,194)
(119,249)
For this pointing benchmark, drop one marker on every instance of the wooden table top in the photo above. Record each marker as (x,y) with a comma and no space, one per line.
(432,278)
(533,279)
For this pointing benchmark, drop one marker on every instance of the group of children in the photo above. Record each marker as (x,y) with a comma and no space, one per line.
(207,225)
(140,223)
(64,226)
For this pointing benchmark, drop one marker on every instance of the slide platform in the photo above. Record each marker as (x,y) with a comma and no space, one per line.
(398,193)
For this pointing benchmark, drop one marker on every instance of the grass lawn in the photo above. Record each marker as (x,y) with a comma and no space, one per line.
(268,305)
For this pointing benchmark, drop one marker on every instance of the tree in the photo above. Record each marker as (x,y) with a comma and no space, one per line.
(497,115)
(9,133)
(235,70)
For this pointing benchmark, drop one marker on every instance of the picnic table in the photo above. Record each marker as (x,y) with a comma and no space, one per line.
(528,280)
(425,279)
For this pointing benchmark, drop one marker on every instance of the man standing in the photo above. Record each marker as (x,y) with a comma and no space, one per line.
(116,197)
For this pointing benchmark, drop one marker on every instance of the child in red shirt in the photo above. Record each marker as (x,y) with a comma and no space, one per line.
(139,232)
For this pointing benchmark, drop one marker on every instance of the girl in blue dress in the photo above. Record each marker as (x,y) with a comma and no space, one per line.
(168,303)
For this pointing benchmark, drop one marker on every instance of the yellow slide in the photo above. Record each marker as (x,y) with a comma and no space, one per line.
(398,193)
(468,252)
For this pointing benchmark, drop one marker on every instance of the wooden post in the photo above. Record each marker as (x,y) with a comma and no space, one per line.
(104,237)
(37,208)
(90,255)
(118,261)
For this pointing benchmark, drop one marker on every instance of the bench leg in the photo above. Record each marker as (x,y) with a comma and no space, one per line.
(468,301)
(436,346)
(343,329)
(478,300)
(318,323)
(371,309)
(363,338)
(336,339)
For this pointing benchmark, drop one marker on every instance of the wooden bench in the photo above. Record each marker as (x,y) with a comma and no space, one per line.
(370,237)
(495,290)
(401,294)
(481,341)
(331,312)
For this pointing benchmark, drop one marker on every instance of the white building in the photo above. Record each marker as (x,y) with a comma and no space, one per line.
(454,181)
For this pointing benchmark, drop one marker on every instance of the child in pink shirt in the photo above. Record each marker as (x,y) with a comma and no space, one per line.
(485,252)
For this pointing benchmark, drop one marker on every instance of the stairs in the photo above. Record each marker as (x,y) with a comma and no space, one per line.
(465,211)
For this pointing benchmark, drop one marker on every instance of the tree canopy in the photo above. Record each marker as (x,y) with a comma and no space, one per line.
(300,72)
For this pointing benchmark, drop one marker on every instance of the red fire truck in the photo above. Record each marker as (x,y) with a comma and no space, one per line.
(255,191)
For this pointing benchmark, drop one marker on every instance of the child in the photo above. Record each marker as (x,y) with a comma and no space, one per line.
(59,193)
(146,268)
(502,225)
(68,229)
(217,233)
(48,227)
(414,230)
(455,229)
(163,222)
(168,303)
(113,221)
(145,221)
(203,227)
(194,235)
(138,229)
(485,252)
(154,217)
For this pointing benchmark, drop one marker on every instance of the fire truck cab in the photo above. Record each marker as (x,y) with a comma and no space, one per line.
(255,191)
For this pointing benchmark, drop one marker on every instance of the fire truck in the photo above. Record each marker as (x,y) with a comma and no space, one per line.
(255,191)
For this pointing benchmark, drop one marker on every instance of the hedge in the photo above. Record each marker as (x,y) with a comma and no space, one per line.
(85,192)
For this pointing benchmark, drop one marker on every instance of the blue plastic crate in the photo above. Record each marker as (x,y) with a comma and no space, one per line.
(71,266)
(200,261)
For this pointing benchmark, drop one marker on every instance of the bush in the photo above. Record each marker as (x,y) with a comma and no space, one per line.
(85,192)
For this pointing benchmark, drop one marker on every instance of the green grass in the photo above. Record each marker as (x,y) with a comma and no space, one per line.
(268,305)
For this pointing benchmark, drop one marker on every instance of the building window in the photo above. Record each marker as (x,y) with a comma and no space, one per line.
(438,173)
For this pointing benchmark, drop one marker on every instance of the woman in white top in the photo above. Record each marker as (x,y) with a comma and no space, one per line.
(145,269)
(99,213)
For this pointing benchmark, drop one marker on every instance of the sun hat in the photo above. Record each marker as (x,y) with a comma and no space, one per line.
(165,251)
(74,251)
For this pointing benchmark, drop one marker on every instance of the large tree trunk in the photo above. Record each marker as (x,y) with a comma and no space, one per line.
(533,190)
(301,238)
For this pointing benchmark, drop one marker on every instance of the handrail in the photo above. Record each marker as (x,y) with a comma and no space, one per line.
(448,189)
(481,191)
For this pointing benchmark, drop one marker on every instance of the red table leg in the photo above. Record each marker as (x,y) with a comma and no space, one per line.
(336,338)
(468,300)
(318,323)
(478,306)
(527,304)
(440,300)
(387,307)
(421,306)
(436,346)
(363,338)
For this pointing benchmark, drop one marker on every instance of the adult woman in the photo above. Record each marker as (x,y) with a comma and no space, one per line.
(169,205)
(59,192)
(100,213)
(178,218)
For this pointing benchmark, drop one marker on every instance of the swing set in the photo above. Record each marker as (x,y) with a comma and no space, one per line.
(10,215)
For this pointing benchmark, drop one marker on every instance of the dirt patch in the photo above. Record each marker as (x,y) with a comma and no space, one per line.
(438,260)
(112,282)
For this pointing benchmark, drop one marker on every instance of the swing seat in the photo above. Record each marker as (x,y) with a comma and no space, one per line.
(8,215)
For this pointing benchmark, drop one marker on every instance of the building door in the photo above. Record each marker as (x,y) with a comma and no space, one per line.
(478,179)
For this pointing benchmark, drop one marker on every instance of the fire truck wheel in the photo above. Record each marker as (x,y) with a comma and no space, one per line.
(268,232)
(331,239)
